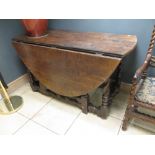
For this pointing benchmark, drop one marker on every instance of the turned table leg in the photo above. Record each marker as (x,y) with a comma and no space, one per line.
(111,88)
(103,110)
(106,100)
(84,104)
(115,81)
(83,100)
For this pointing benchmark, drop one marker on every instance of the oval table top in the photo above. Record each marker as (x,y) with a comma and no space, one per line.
(73,63)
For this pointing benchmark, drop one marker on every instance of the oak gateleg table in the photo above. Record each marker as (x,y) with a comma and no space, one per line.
(74,65)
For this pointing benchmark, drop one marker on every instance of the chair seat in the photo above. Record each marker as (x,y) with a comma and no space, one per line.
(146,92)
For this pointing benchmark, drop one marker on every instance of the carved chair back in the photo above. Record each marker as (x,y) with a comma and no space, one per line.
(137,83)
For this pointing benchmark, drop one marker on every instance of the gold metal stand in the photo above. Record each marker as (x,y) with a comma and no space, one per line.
(9,105)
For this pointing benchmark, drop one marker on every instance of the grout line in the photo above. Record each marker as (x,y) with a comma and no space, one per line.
(45,127)
(35,113)
(20,127)
(119,129)
(120,125)
(31,118)
(40,109)
(35,123)
(72,123)
(23,115)
(115,117)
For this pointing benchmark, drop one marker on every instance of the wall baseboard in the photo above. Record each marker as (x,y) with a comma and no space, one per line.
(14,85)
(125,87)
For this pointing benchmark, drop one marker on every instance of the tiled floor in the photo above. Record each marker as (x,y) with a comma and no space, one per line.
(44,115)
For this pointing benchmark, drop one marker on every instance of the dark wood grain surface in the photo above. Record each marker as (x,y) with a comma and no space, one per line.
(65,72)
(73,63)
(105,43)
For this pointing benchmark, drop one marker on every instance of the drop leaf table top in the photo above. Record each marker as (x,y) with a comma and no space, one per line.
(73,63)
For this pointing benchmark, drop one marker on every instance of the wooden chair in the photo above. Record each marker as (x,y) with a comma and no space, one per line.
(142,93)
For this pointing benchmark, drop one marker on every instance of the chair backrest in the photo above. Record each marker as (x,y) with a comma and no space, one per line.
(150,49)
(152,41)
(149,59)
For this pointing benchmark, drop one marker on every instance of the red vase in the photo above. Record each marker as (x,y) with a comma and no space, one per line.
(35,27)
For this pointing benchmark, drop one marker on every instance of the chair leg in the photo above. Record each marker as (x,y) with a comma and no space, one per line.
(126,118)
(125,122)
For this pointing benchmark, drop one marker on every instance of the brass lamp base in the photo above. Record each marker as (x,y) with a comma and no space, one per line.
(11,107)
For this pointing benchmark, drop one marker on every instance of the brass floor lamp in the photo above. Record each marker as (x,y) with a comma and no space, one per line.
(8,105)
